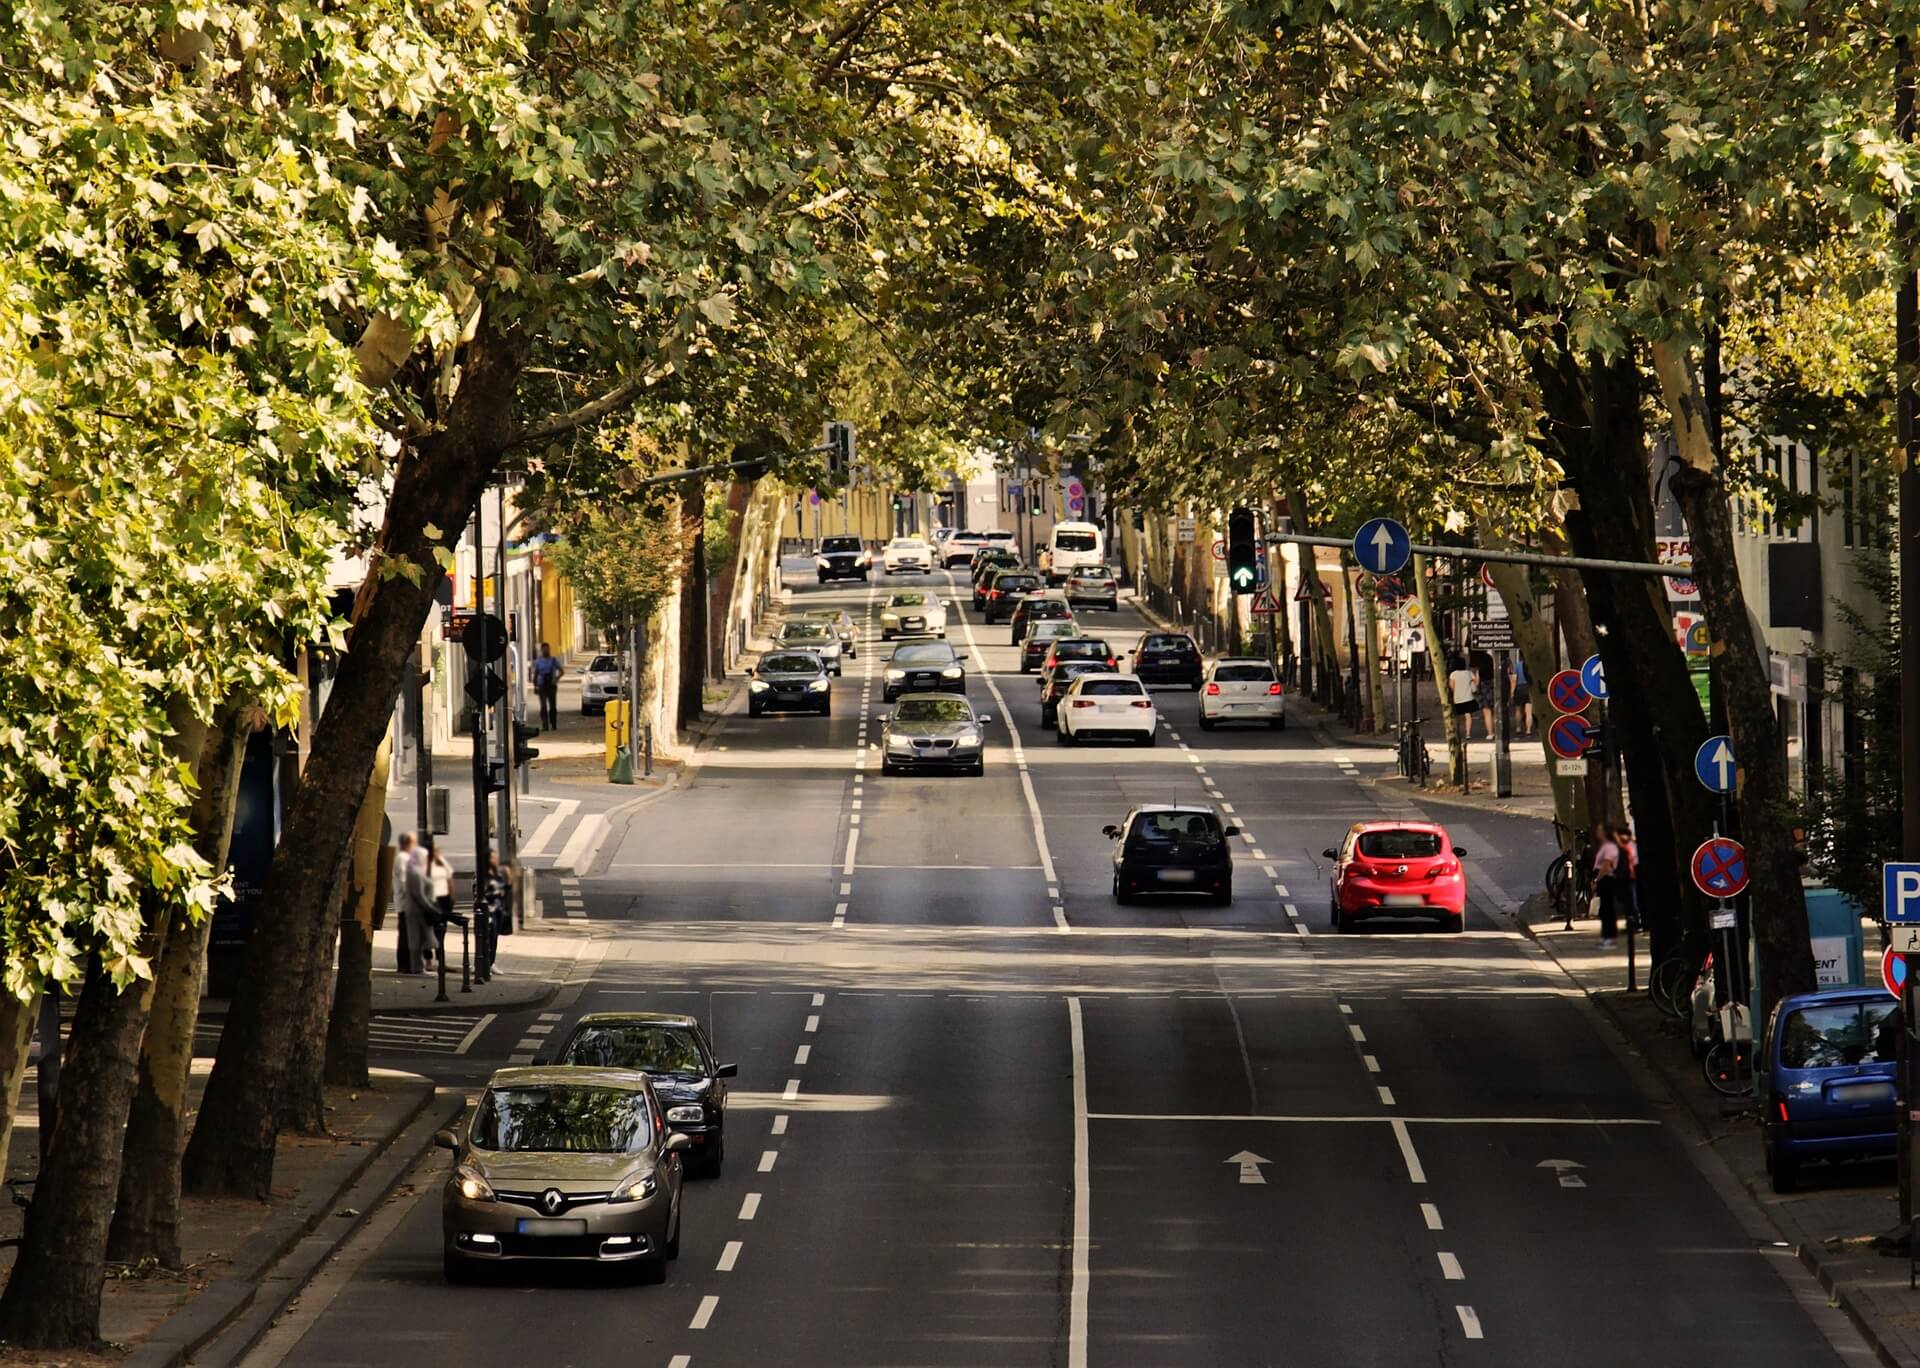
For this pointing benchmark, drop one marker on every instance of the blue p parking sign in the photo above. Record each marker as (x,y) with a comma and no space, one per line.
(1900,893)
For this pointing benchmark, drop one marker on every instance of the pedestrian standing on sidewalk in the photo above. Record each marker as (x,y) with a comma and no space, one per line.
(1522,695)
(1484,695)
(412,930)
(1626,876)
(1460,688)
(546,683)
(440,888)
(1606,871)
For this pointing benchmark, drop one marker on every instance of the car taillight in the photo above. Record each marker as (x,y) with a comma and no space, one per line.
(1112,664)
(1781,1103)
(1444,867)
(1213,688)
(1083,702)
(1274,688)
(993,593)
(1140,703)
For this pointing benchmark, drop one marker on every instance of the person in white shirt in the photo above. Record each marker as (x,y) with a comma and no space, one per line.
(1460,688)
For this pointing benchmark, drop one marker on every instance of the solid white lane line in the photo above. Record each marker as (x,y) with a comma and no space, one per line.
(708,1305)
(1359,1036)
(813,1024)
(792,1091)
(819,999)
(803,1054)
(1415,1173)
(1019,755)
(549,827)
(466,1041)
(1469,1322)
(749,1206)
(767,1160)
(1077,1295)
(728,1257)
(1431,1214)
(1333,1119)
(1373,1065)
(1450,1268)
(780,1124)
(1386,1096)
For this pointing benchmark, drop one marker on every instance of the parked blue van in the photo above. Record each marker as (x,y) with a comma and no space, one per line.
(1829,1079)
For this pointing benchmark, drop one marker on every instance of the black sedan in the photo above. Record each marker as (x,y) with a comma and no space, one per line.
(925,667)
(1054,683)
(672,1050)
(1169,658)
(794,680)
(1172,848)
(1000,593)
(934,732)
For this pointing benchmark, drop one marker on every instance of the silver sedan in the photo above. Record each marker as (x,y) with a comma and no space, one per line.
(934,731)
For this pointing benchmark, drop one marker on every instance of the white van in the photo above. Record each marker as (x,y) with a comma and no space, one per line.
(1073,546)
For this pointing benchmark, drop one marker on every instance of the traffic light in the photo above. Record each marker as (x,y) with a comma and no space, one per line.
(839,453)
(522,734)
(1039,497)
(484,638)
(1243,570)
(898,503)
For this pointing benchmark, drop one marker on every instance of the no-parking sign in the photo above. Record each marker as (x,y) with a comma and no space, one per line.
(1567,693)
(1720,867)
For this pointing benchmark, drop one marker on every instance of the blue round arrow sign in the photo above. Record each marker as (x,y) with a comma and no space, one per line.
(1382,546)
(1714,765)
(1594,675)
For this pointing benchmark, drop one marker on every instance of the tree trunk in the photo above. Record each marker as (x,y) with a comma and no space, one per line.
(1776,900)
(693,614)
(1592,420)
(52,1299)
(17,1018)
(146,1216)
(372,879)
(437,486)
(303,1105)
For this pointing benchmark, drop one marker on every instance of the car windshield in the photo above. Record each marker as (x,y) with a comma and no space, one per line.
(1092,577)
(1112,688)
(792,662)
(1829,1037)
(603,664)
(1244,674)
(1075,541)
(805,631)
(646,1046)
(561,1118)
(840,544)
(907,600)
(931,654)
(932,710)
(1177,826)
(1399,845)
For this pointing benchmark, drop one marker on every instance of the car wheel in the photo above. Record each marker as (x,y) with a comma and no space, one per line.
(1195,686)
(651,1271)
(457,1270)
(823,579)
(1224,898)
(1456,922)
(1120,894)
(1279,723)
(839,670)
(1342,923)
(979,769)
(672,1247)
(826,709)
(863,577)
(1206,723)
(1061,737)
(885,635)
(753,710)
(1785,1172)
(1048,722)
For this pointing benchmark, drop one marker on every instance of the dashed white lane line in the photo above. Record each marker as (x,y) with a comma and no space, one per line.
(853,844)
(1469,1322)
(792,1090)
(1060,922)
(813,1024)
(1450,1267)
(749,1206)
(1268,871)
(1281,889)
(819,999)
(1359,1036)
(803,1054)
(780,1124)
(839,916)
(767,1160)
(729,1256)
(708,1305)
(1431,1214)
(1226,807)
(845,889)
(1415,1173)
(1373,1065)
(680,1361)
(1345,1010)
(1386,1095)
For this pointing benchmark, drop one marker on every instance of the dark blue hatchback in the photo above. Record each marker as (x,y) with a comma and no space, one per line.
(1829,1066)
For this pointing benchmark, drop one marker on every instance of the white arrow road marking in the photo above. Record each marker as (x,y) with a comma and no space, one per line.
(1249,1163)
(1563,1170)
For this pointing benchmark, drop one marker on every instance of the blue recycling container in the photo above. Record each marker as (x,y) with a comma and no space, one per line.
(1833,920)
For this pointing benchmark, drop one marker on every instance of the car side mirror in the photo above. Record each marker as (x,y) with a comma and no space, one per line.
(727,1071)
(446,1139)
(677,1143)
(1110,831)
(985,719)
(1331,853)
(1230,831)
(1458,851)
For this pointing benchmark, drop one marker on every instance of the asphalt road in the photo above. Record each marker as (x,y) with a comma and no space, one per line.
(985,1116)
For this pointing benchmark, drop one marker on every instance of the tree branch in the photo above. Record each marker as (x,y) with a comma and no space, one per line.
(619,397)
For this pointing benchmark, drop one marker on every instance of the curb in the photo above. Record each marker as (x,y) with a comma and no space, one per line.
(1683,1101)
(291,1237)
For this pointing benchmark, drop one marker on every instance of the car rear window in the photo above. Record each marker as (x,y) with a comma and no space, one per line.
(1075,541)
(1244,674)
(1399,845)
(1166,645)
(1086,647)
(1052,608)
(1840,1034)
(1177,826)
(1092,577)
(1006,582)
(1117,688)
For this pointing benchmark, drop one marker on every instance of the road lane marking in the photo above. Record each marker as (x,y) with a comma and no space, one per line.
(853,821)
(749,1206)
(1431,1214)
(1019,752)
(1281,889)
(780,1124)
(853,843)
(1450,1268)
(813,1024)
(1386,1096)
(819,999)
(1373,1065)
(846,888)
(549,828)
(792,1090)
(1415,1173)
(1077,1295)
(839,915)
(1060,922)
(803,1054)
(1359,1036)
(728,1257)
(1469,1322)
(584,844)
(1267,870)
(1345,1010)
(708,1305)
(1302,1118)
(767,1160)
(680,1361)
(466,1041)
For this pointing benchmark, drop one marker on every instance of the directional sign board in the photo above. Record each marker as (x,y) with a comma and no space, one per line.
(1382,546)
(1900,893)
(1714,766)
(1569,737)
(1893,971)
(1494,635)
(1567,693)
(1594,676)
(1720,867)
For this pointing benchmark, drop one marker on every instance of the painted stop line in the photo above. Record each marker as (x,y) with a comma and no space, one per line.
(1568,693)
(1720,867)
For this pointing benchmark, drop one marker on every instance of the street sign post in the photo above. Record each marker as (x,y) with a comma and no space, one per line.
(1594,676)
(1569,737)
(1494,634)
(1382,546)
(1567,693)
(1714,765)
(1720,867)
(1900,893)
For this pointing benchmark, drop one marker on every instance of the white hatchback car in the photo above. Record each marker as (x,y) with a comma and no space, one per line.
(1242,690)
(1107,704)
(913,614)
(906,555)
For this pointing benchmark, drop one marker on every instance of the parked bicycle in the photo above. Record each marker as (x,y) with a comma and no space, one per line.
(1570,875)
(1671,983)
(1415,762)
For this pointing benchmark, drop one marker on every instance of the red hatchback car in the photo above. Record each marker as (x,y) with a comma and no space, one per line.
(1398,869)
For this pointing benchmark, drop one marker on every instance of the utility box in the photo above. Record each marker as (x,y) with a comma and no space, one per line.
(1839,959)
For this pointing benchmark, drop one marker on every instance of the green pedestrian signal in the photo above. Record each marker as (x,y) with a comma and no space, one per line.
(1243,570)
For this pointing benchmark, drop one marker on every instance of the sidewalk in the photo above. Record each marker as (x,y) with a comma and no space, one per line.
(1532,794)
(245,1260)
(532,964)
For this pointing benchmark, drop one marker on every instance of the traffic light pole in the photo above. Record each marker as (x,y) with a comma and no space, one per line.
(481,845)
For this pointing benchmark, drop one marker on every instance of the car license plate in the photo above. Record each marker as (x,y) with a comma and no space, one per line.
(541,1225)
(1403,900)
(1176,876)
(1862,1092)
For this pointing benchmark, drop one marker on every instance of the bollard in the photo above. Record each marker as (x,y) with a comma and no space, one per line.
(466,953)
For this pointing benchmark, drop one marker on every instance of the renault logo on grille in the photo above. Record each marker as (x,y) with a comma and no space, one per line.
(551,1201)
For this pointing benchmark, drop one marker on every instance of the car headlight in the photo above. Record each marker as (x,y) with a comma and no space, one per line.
(637,1188)
(889,617)
(969,738)
(899,743)
(818,686)
(758,686)
(952,672)
(695,1113)
(823,562)
(896,674)
(473,1187)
